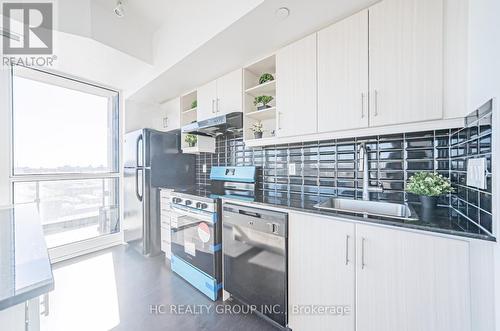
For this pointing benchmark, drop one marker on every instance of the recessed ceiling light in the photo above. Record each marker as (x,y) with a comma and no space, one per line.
(282,13)
(119,9)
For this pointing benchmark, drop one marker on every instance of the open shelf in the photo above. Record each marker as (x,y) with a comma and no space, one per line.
(189,110)
(203,145)
(264,114)
(261,89)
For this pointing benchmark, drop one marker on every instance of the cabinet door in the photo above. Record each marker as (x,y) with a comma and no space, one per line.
(206,95)
(343,74)
(296,85)
(229,93)
(171,111)
(409,281)
(321,272)
(406,61)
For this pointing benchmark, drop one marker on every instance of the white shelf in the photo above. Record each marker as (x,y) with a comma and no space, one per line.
(203,145)
(189,110)
(266,88)
(263,114)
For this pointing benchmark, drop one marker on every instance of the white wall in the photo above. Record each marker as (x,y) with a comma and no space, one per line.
(140,115)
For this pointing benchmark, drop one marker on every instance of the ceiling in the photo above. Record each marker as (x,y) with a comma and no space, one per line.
(257,34)
(152,11)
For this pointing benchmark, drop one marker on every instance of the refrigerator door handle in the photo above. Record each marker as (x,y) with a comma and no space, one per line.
(137,156)
(137,194)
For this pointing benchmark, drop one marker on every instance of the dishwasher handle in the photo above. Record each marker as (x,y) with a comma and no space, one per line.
(249,213)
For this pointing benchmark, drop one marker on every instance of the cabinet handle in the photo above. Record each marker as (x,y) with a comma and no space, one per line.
(279,120)
(362,105)
(213,106)
(375,95)
(363,253)
(45,305)
(217,105)
(347,249)
(165,122)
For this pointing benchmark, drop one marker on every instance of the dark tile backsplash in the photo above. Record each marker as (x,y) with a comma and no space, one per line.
(329,168)
(473,141)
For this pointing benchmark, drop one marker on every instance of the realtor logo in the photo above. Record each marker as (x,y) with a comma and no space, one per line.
(30,25)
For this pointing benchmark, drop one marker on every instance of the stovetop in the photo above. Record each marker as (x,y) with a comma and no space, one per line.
(213,193)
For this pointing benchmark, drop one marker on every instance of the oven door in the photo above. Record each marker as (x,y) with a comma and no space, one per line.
(194,238)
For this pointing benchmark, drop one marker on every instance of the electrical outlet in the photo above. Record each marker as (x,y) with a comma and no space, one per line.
(291,169)
(476,173)
(204,168)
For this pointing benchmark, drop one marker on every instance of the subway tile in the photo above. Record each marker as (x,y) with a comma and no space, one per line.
(420,154)
(420,143)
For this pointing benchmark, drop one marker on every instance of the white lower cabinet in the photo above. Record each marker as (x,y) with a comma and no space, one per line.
(321,272)
(165,218)
(396,280)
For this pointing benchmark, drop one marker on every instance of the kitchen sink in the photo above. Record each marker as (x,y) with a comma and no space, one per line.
(370,208)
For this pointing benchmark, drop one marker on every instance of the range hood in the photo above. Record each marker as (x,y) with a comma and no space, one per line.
(216,126)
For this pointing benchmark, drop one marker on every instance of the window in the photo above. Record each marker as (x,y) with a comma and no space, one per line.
(65,154)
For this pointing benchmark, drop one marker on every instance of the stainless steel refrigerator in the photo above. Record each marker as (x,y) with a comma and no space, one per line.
(152,159)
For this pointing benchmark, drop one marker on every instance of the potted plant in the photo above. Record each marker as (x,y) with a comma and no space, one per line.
(262,101)
(265,77)
(194,104)
(429,187)
(191,139)
(257,129)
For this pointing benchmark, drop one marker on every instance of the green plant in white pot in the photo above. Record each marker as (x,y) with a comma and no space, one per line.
(429,187)
(258,129)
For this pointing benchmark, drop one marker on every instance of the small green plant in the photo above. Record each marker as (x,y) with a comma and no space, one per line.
(194,104)
(429,184)
(191,139)
(257,127)
(266,77)
(262,100)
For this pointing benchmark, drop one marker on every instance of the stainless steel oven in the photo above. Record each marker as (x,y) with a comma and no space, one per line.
(255,259)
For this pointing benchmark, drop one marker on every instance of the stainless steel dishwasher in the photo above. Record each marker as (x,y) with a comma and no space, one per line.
(254,245)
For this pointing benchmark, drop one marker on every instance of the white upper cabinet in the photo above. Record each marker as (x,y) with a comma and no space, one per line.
(321,271)
(230,93)
(207,97)
(406,61)
(410,281)
(221,96)
(171,111)
(296,87)
(343,74)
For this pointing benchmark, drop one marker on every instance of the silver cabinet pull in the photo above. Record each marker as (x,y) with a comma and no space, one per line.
(363,253)
(213,106)
(217,105)
(347,249)
(279,120)
(362,105)
(375,96)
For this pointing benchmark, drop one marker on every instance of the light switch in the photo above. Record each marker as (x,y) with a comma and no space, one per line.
(204,168)
(291,169)
(476,173)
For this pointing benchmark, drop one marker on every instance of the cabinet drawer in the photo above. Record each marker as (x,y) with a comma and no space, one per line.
(165,221)
(165,247)
(165,194)
(165,203)
(165,234)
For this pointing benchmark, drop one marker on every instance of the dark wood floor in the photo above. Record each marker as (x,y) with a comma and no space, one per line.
(115,288)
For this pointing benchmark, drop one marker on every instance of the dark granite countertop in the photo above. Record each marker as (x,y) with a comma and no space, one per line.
(25,270)
(443,220)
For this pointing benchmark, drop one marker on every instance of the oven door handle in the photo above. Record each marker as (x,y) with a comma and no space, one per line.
(207,217)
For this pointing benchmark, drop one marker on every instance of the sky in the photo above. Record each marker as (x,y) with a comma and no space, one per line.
(56,126)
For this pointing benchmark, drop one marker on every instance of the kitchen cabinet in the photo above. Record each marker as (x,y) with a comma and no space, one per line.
(343,74)
(410,281)
(165,219)
(296,88)
(171,115)
(321,272)
(406,61)
(391,279)
(21,317)
(221,96)
(207,95)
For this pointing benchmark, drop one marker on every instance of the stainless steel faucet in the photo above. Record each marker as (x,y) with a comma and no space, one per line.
(363,166)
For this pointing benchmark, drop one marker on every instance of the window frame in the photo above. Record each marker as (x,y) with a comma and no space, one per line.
(84,246)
